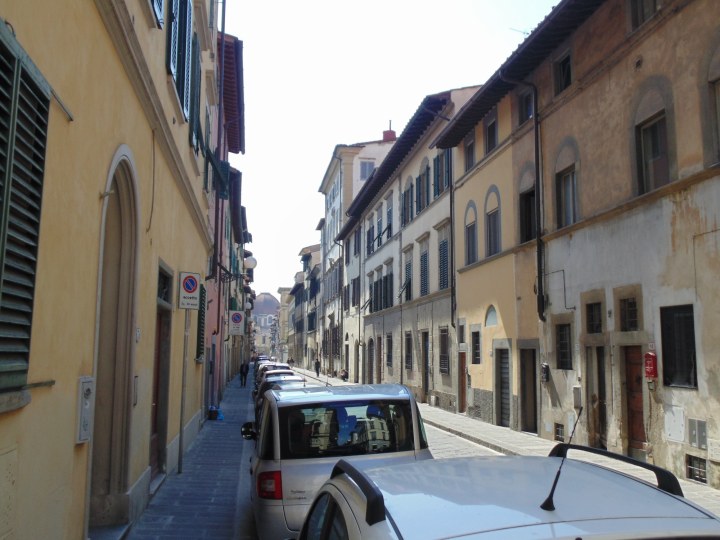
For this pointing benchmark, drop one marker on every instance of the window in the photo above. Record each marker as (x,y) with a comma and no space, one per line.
(491,136)
(159,10)
(475,337)
(442,171)
(366,169)
(560,432)
(370,240)
(23,137)
(408,350)
(677,324)
(179,57)
(388,350)
(444,350)
(470,243)
(424,271)
(379,227)
(563,73)
(696,468)
(443,263)
(653,164)
(469,152)
(356,242)
(641,11)
(388,287)
(565,198)
(525,107)
(422,190)
(406,211)
(527,216)
(594,317)
(407,286)
(563,346)
(389,213)
(628,315)
(492,229)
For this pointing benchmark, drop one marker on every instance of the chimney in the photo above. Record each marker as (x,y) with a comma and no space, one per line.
(389,134)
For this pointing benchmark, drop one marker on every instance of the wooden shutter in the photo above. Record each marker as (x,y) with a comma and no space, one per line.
(424,279)
(23,136)
(200,346)
(443,264)
(436,176)
(195,131)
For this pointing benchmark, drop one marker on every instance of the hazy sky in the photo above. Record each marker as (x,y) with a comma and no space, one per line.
(324,72)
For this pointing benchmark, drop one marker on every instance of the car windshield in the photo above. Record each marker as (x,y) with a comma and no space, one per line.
(347,428)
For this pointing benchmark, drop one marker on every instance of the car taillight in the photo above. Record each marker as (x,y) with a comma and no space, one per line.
(269,485)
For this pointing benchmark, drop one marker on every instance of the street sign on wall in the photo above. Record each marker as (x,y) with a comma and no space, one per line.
(237,323)
(189,291)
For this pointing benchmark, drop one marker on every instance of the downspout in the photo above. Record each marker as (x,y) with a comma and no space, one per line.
(540,294)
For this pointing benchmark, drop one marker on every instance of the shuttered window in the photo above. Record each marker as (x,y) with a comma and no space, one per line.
(159,9)
(24,113)
(424,274)
(408,281)
(200,347)
(195,131)
(443,265)
(408,350)
(179,51)
(444,350)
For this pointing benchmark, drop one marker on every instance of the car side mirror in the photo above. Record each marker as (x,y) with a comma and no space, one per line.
(248,431)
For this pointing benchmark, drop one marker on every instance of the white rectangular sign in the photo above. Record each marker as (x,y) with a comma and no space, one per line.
(189,291)
(237,323)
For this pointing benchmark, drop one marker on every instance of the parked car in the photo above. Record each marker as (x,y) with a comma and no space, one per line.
(276,382)
(269,373)
(503,498)
(304,431)
(266,366)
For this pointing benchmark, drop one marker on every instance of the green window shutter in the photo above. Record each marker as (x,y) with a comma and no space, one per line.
(195,131)
(172,34)
(187,49)
(159,9)
(200,347)
(24,114)
(436,176)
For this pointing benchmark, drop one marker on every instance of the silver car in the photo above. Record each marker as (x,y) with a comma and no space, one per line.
(304,431)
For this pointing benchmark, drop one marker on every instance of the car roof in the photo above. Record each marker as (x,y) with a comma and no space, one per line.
(451,497)
(340,393)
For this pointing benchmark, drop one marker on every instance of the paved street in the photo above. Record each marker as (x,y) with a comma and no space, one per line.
(209,499)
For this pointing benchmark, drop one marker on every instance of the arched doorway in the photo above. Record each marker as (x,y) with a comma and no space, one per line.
(109,502)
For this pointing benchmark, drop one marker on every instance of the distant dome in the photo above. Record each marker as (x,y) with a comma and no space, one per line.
(266,304)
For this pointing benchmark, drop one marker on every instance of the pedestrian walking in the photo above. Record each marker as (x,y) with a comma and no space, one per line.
(244,369)
(317,367)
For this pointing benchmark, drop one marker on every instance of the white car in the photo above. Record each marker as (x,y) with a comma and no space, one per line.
(504,498)
(304,431)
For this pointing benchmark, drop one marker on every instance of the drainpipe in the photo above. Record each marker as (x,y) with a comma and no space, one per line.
(540,294)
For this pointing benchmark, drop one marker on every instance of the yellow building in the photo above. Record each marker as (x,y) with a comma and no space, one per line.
(108,110)
(601,131)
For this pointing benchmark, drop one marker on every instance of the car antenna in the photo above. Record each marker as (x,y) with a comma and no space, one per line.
(548,503)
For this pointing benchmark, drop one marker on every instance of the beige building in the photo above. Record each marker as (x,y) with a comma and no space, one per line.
(397,242)
(616,295)
(106,206)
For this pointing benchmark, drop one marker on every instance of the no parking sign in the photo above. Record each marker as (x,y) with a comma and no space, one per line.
(189,291)
(237,323)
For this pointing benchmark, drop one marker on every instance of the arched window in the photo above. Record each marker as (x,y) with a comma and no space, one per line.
(653,123)
(491,317)
(471,250)
(492,221)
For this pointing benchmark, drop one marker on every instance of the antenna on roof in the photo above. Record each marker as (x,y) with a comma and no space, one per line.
(548,503)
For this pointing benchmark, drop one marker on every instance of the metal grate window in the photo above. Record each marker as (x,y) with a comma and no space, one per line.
(560,432)
(696,468)
(408,350)
(628,315)
(563,346)
(476,357)
(444,350)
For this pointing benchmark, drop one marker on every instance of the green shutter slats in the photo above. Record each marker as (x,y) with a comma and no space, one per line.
(24,113)
(173,33)
(186,92)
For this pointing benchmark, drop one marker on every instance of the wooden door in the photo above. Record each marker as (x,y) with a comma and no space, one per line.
(634,379)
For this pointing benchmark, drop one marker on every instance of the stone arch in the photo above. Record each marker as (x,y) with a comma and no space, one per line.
(115,347)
